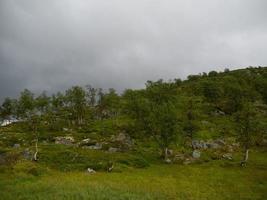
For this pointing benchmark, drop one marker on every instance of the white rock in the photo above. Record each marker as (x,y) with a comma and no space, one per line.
(91,171)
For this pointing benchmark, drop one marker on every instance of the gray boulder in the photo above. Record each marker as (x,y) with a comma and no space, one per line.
(228,156)
(91,171)
(97,146)
(196,144)
(196,154)
(16,146)
(168,161)
(113,149)
(123,139)
(66,140)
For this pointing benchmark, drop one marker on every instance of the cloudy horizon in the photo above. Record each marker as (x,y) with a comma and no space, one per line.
(52,45)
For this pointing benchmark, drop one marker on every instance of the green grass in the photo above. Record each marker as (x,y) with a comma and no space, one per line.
(213,180)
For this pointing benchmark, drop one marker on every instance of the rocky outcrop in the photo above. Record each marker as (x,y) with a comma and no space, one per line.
(66,140)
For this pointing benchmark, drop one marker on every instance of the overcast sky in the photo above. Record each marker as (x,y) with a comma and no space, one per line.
(53,44)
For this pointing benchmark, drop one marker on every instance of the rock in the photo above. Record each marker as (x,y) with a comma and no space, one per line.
(196,154)
(219,113)
(230,148)
(97,146)
(168,161)
(113,149)
(91,171)
(220,142)
(228,156)
(65,129)
(213,145)
(16,146)
(179,157)
(86,141)
(122,138)
(196,144)
(187,161)
(66,140)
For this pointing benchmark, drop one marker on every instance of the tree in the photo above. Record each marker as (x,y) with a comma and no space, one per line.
(111,103)
(76,102)
(29,113)
(91,95)
(162,122)
(42,103)
(154,111)
(247,119)
(211,91)
(26,105)
(7,110)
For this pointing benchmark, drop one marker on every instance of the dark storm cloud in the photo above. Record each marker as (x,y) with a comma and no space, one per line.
(53,44)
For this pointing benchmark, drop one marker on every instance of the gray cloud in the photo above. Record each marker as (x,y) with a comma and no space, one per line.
(51,45)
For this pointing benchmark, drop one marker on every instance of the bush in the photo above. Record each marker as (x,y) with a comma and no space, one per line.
(29,167)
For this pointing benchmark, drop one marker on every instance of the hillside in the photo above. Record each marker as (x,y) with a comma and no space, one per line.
(208,132)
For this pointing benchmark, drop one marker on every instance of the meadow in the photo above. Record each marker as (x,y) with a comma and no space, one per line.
(210,180)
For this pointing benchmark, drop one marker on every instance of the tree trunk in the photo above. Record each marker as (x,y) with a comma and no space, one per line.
(244,161)
(165,153)
(36,150)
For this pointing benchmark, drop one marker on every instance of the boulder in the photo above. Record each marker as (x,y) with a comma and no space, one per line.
(113,149)
(220,142)
(213,145)
(122,138)
(91,171)
(97,146)
(228,156)
(65,129)
(196,154)
(187,161)
(16,146)
(179,157)
(86,141)
(168,161)
(196,144)
(66,140)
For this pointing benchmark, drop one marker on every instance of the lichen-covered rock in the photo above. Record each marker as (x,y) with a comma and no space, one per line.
(196,154)
(228,156)
(66,140)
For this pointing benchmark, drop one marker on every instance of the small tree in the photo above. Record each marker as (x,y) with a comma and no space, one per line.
(155,112)
(248,124)
(162,123)
(28,111)
(76,102)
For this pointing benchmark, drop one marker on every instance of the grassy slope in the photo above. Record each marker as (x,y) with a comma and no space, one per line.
(200,181)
